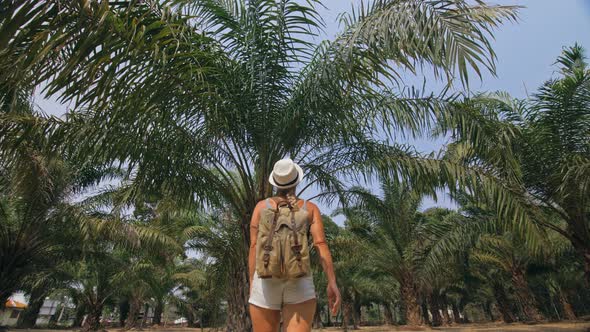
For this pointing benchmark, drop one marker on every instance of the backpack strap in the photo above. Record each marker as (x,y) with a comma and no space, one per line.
(304,207)
(268,245)
(296,247)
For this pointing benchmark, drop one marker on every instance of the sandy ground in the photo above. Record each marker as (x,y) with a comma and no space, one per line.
(548,327)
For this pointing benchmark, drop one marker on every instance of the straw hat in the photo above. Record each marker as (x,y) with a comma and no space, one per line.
(285,174)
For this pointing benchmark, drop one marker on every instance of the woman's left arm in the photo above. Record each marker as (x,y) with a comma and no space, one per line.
(319,241)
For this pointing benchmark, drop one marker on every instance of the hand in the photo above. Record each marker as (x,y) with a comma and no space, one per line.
(333,298)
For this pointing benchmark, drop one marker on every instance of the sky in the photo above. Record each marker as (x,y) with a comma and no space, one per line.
(526,52)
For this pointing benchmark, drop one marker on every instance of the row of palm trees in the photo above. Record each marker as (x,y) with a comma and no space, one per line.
(186,104)
(527,267)
(90,249)
(389,256)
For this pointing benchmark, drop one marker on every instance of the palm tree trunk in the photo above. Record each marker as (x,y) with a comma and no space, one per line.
(487,306)
(387,314)
(503,303)
(134,309)
(465,317)
(191,318)
(410,301)
(346,313)
(568,309)
(28,317)
(123,311)
(584,250)
(158,309)
(578,236)
(237,303)
(587,267)
(146,309)
(80,312)
(525,297)
(356,313)
(445,311)
(93,319)
(317,318)
(456,313)
(435,310)
(425,313)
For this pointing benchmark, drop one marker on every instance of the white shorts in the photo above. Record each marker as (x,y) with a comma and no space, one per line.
(272,293)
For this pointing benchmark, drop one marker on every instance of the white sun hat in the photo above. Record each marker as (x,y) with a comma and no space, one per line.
(285,174)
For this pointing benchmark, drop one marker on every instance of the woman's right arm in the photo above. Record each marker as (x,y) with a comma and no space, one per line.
(253,237)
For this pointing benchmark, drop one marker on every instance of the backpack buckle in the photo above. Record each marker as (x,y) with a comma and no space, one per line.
(266,259)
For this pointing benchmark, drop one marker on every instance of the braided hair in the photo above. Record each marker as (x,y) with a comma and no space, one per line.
(289,195)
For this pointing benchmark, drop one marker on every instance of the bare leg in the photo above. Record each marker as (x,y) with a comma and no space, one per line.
(299,317)
(264,320)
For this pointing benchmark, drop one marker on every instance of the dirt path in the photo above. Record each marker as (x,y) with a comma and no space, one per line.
(493,327)
(549,327)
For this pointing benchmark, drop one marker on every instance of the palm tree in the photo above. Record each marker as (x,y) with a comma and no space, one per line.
(351,273)
(394,235)
(156,270)
(508,253)
(189,93)
(562,283)
(110,262)
(36,208)
(359,283)
(217,236)
(199,295)
(332,231)
(539,148)
(560,275)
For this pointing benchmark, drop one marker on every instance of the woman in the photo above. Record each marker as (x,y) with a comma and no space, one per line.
(294,297)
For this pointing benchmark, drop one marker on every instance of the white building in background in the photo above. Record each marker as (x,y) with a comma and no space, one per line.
(18,302)
(9,316)
(48,309)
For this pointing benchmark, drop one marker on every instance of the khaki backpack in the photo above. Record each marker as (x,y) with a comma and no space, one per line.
(282,248)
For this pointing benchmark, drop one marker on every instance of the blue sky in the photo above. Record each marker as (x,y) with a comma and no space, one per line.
(526,51)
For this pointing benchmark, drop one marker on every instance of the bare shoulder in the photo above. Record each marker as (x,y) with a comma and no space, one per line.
(311,206)
(261,204)
(257,209)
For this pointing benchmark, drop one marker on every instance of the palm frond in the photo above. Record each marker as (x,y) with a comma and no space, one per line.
(449,35)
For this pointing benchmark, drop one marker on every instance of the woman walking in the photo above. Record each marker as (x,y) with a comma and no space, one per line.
(278,262)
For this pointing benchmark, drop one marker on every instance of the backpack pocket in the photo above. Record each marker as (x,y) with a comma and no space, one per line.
(296,255)
(273,267)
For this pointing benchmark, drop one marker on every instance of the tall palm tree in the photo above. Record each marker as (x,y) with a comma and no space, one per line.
(191,92)
(395,234)
(110,259)
(199,295)
(509,254)
(353,276)
(36,207)
(156,269)
(540,149)
(217,236)
(332,231)
(563,282)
